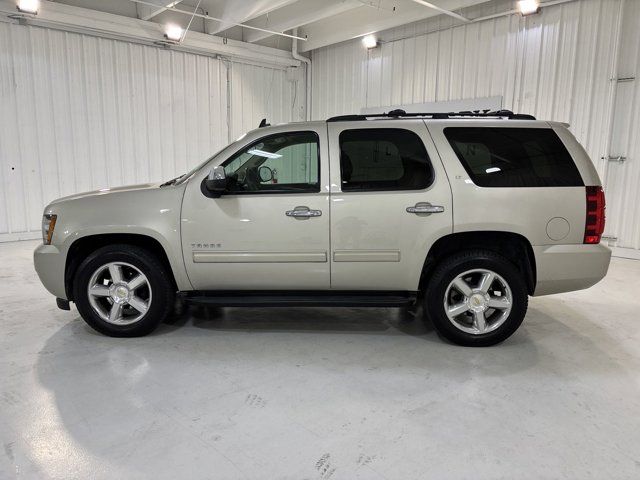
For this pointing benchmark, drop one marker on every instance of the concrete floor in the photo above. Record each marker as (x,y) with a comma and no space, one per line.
(319,393)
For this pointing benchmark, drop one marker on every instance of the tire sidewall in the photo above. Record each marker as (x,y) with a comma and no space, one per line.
(162,296)
(456,265)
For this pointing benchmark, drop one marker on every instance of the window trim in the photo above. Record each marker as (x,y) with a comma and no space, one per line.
(230,158)
(429,163)
(473,176)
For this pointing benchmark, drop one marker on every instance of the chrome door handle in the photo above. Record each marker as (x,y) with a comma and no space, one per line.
(303,212)
(425,208)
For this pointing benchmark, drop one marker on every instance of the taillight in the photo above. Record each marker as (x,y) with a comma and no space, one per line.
(594,223)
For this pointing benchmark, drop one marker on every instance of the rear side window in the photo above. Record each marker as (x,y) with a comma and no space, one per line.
(514,157)
(383,159)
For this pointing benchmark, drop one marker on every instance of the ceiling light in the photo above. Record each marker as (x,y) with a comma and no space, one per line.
(369,41)
(173,32)
(262,153)
(528,7)
(28,6)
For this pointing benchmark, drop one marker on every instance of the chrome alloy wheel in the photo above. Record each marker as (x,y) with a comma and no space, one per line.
(119,293)
(478,301)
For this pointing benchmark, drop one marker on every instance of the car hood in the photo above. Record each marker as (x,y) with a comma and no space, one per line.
(108,192)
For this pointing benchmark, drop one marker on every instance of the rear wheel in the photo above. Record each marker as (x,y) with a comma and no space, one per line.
(476,298)
(123,291)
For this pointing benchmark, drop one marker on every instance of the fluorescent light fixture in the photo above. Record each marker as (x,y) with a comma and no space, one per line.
(29,6)
(262,153)
(528,7)
(492,170)
(369,41)
(173,32)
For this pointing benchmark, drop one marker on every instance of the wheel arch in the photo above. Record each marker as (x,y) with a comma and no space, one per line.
(84,246)
(514,247)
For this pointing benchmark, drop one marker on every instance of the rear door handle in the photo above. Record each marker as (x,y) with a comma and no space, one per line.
(425,208)
(303,212)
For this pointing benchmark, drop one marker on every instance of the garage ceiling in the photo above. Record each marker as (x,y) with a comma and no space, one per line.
(321,23)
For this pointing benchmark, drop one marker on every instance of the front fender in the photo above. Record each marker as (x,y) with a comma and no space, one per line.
(149,212)
(172,250)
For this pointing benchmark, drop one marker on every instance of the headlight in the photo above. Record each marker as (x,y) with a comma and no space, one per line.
(48,224)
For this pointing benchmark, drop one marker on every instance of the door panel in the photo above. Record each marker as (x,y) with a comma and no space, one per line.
(251,240)
(376,244)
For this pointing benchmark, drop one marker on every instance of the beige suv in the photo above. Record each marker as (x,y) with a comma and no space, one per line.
(469,213)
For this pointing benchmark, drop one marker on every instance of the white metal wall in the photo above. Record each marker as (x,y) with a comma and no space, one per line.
(623,179)
(262,92)
(80,113)
(557,65)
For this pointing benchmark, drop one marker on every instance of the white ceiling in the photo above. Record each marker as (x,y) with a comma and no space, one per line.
(321,22)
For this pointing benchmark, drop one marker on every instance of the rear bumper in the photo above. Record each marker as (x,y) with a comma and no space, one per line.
(564,268)
(50,264)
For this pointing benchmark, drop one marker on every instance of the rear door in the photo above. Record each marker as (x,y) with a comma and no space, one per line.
(386,178)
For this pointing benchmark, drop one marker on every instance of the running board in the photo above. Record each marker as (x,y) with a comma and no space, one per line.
(302,299)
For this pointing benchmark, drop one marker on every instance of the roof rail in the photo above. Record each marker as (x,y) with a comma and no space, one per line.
(398,113)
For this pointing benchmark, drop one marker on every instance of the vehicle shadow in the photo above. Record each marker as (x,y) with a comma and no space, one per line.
(385,321)
(140,379)
(297,319)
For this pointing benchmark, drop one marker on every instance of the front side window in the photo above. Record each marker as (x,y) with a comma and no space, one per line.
(514,157)
(281,163)
(383,159)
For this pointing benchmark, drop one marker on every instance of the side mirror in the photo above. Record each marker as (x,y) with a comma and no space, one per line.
(216,182)
(265,174)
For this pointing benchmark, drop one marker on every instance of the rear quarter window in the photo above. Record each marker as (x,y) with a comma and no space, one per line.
(514,157)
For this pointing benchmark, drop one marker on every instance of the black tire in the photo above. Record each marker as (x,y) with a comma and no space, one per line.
(458,264)
(160,284)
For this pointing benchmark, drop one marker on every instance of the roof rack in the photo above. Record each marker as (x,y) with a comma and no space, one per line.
(438,115)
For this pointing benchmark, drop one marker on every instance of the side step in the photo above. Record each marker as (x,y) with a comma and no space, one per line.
(302,299)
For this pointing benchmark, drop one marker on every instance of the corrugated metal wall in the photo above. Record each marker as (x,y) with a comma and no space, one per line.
(557,65)
(82,112)
(261,92)
(623,179)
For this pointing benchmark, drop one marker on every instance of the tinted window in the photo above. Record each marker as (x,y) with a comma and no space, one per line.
(282,163)
(514,157)
(383,159)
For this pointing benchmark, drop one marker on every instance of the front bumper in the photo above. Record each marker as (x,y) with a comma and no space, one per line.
(564,268)
(49,262)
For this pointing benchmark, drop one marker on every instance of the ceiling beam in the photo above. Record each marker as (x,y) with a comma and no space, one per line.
(364,20)
(209,17)
(241,12)
(442,10)
(300,13)
(147,12)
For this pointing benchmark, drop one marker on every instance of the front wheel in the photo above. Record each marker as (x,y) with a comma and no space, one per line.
(476,298)
(123,291)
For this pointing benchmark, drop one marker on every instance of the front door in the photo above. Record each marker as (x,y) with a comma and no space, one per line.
(390,201)
(270,230)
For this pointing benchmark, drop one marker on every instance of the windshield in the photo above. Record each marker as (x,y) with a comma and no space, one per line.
(183,178)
